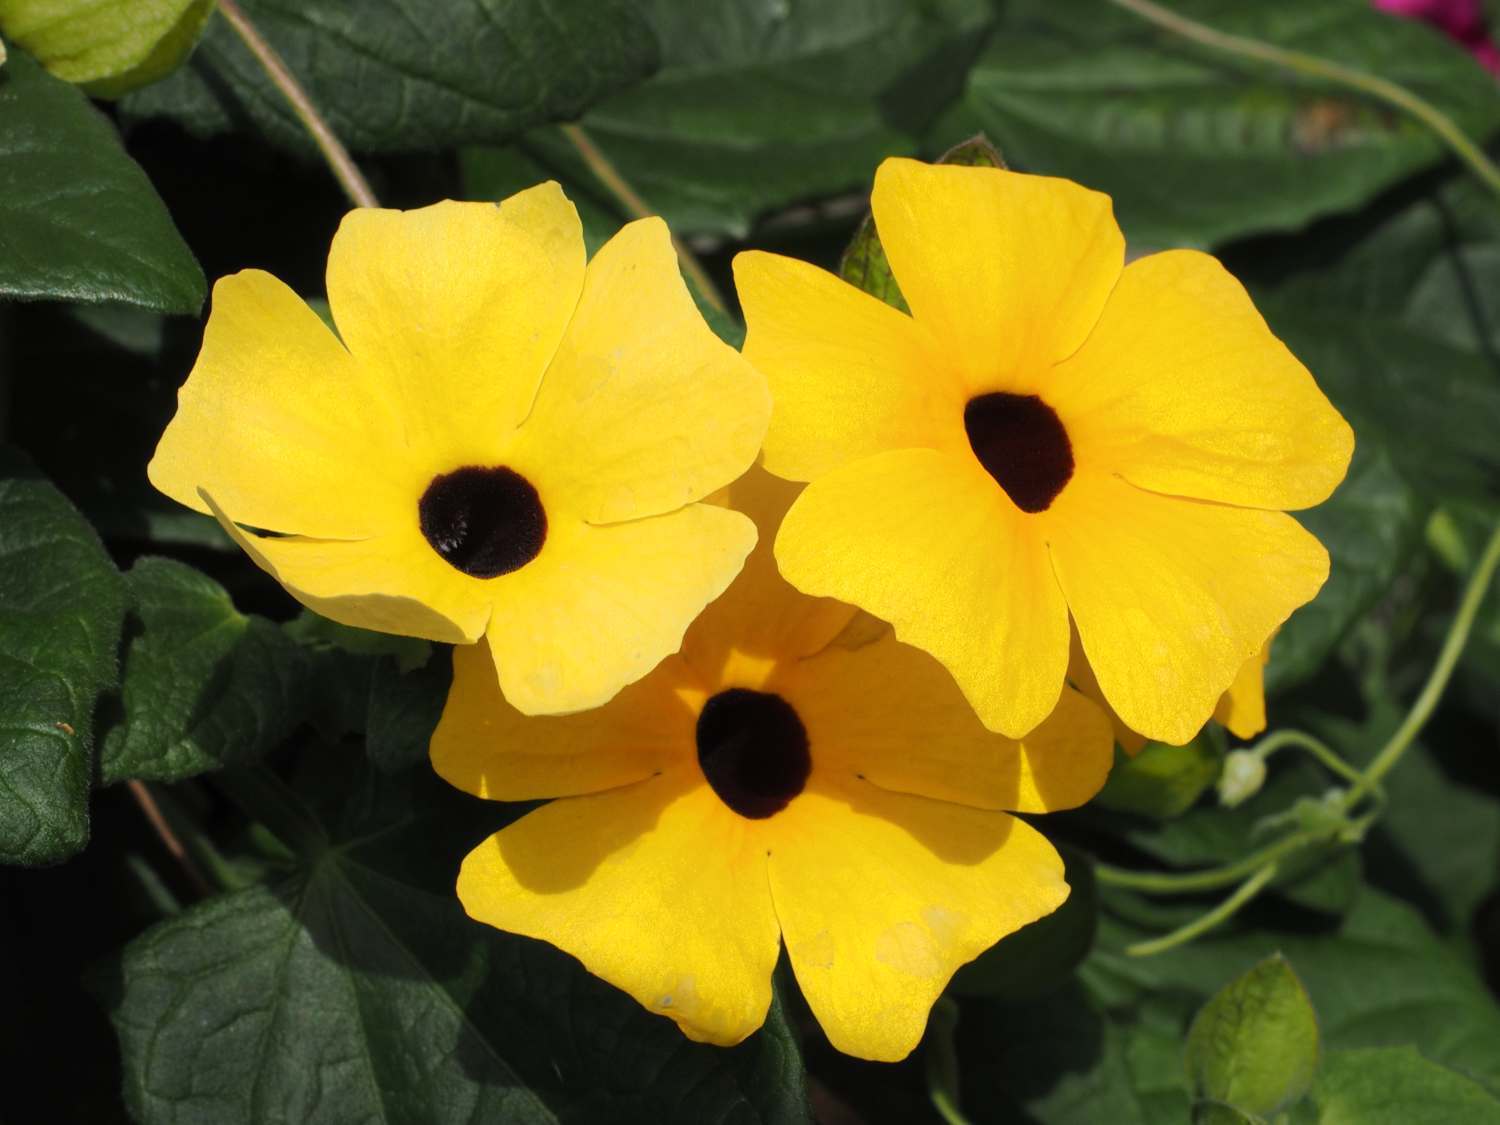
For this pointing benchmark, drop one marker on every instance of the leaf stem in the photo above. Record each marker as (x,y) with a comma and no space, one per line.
(1311,65)
(1437,679)
(1205,922)
(169,839)
(355,186)
(608,175)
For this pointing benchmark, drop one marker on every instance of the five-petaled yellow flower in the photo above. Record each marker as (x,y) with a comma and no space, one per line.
(500,442)
(1048,435)
(770,784)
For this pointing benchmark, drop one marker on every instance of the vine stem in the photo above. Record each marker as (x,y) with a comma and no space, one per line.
(152,812)
(1437,679)
(1205,922)
(1209,879)
(355,186)
(1376,87)
(1304,741)
(608,175)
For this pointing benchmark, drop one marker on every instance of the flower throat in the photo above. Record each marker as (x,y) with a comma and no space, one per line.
(1022,443)
(484,522)
(753,751)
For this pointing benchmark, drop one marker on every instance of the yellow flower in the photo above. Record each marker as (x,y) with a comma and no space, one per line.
(1241,709)
(1047,435)
(768,784)
(500,442)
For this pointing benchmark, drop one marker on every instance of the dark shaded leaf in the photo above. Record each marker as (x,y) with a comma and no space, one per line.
(204,686)
(1370,527)
(759,105)
(390,76)
(61,606)
(359,990)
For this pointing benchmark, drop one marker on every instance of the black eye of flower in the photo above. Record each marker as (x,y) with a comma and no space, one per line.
(484,522)
(753,750)
(1021,442)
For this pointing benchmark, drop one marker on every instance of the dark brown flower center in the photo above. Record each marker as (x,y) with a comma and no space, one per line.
(753,750)
(484,522)
(1021,442)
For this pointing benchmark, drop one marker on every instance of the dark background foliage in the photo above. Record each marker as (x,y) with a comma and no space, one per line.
(308,962)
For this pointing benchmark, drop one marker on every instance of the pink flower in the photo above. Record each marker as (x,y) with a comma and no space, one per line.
(1463,20)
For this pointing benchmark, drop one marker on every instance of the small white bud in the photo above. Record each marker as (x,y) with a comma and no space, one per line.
(1243,775)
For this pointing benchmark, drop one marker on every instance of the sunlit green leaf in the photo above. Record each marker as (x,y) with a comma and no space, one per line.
(1254,1045)
(106,48)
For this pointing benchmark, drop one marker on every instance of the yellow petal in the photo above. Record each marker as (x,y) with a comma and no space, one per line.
(761,614)
(849,375)
(1082,677)
(882,896)
(278,423)
(1172,596)
(392,583)
(1182,389)
(458,308)
(656,887)
(891,714)
(643,409)
(486,747)
(930,543)
(1009,271)
(601,606)
(1242,709)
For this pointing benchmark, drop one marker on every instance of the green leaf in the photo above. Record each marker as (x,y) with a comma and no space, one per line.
(61,606)
(106,48)
(78,219)
(1370,526)
(204,686)
(1397,314)
(1163,781)
(1059,1060)
(760,105)
(1397,1086)
(1254,1045)
(1175,132)
(358,990)
(389,688)
(1217,1113)
(388,81)
(1380,979)
(404,710)
(1038,958)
